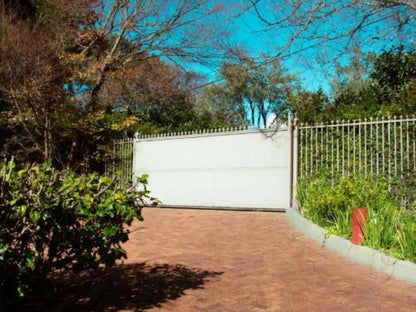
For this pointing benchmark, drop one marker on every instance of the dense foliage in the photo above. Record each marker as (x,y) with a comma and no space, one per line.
(391,216)
(370,85)
(74,75)
(52,220)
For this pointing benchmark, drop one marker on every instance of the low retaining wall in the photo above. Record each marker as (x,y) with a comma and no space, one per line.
(404,270)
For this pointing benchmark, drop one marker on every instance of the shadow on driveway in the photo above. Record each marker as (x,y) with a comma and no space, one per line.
(134,287)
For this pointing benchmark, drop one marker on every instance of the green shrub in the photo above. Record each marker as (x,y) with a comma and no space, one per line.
(329,203)
(53,220)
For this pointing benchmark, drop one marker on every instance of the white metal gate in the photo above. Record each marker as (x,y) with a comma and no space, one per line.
(229,169)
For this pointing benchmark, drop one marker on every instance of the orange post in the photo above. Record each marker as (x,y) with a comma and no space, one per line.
(358,220)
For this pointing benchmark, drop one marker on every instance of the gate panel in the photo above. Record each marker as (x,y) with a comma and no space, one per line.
(246,169)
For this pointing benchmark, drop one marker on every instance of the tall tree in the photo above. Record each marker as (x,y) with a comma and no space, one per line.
(61,58)
(253,90)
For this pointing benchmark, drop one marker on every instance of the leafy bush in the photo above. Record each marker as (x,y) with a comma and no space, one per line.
(403,190)
(53,220)
(329,203)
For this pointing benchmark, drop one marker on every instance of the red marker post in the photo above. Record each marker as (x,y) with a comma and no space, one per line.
(358,220)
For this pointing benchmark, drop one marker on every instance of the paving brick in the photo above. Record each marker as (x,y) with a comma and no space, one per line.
(262,264)
(202,260)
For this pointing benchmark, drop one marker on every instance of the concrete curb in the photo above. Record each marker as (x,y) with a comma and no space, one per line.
(403,270)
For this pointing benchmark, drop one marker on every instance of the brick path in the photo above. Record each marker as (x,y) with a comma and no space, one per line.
(199,260)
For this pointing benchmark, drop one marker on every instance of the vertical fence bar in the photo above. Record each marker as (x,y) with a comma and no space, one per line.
(306,151)
(359,147)
(300,147)
(325,128)
(368,147)
(316,149)
(401,158)
(365,148)
(383,147)
(389,144)
(311,151)
(395,145)
(354,143)
(343,147)
(372,148)
(377,151)
(332,151)
(414,143)
(407,145)
(348,149)
(322,147)
(338,148)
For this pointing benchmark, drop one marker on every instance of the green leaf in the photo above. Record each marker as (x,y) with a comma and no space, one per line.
(34,216)
(110,231)
(20,291)
(3,248)
(138,216)
(22,210)
(20,173)
(143,178)
(30,263)
(105,180)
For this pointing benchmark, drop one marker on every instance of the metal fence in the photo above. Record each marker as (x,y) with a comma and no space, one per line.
(122,160)
(369,148)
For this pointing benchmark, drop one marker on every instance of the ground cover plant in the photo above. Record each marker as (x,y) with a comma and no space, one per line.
(60,221)
(391,218)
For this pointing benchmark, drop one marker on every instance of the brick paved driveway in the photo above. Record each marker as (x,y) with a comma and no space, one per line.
(199,260)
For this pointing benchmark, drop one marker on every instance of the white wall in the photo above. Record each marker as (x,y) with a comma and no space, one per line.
(248,169)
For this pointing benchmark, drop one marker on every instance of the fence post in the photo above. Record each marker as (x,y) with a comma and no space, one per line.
(133,166)
(113,169)
(293,160)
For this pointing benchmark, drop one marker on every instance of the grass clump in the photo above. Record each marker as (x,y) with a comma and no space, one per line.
(390,226)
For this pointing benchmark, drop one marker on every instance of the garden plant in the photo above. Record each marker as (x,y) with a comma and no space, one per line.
(55,221)
(391,209)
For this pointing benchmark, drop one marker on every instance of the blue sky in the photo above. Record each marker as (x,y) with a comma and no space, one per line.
(315,66)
